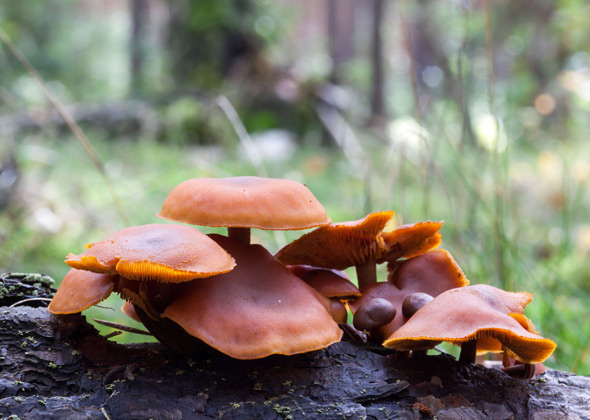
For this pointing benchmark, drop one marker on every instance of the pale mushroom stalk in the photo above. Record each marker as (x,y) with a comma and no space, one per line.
(239,234)
(366,274)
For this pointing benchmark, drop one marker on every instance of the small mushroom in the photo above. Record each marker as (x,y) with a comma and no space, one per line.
(241,203)
(414,302)
(480,318)
(258,309)
(373,314)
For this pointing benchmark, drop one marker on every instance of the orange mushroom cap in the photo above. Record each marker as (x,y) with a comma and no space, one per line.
(407,241)
(479,312)
(433,273)
(257,309)
(160,252)
(339,245)
(246,202)
(79,290)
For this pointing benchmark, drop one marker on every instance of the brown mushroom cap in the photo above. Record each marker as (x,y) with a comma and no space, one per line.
(129,310)
(79,290)
(339,245)
(474,313)
(329,283)
(373,314)
(160,252)
(257,309)
(244,202)
(414,302)
(433,273)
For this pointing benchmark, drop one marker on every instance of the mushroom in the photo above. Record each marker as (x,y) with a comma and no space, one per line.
(332,284)
(258,309)
(341,245)
(481,319)
(80,290)
(241,203)
(373,314)
(137,259)
(431,273)
(362,243)
(414,302)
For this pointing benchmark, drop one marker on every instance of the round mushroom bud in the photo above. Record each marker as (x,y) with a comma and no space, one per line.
(414,302)
(373,314)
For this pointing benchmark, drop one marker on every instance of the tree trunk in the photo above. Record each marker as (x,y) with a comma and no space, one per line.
(59,367)
(378,106)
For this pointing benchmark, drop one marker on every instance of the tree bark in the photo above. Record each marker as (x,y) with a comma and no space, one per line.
(59,367)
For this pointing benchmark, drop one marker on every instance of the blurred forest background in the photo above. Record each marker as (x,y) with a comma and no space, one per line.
(475,112)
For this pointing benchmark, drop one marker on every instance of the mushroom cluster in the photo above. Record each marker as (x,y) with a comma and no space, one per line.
(190,289)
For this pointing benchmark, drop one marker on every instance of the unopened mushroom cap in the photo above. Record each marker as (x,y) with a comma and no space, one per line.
(161,252)
(257,309)
(79,290)
(247,202)
(339,245)
(328,282)
(415,302)
(474,312)
(373,314)
(407,241)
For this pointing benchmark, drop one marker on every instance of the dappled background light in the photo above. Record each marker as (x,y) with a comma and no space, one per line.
(472,112)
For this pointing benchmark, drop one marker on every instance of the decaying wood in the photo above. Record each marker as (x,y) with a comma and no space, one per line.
(59,367)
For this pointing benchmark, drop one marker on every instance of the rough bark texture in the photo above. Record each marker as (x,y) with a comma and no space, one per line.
(58,367)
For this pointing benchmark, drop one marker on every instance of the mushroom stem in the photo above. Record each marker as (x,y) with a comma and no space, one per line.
(239,234)
(366,274)
(524,371)
(468,351)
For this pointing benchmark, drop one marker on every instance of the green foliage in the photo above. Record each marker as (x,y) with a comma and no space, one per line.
(509,177)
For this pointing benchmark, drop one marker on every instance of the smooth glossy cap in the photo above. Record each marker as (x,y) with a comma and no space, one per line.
(79,290)
(247,202)
(159,252)
(258,309)
(329,283)
(373,314)
(479,312)
(414,302)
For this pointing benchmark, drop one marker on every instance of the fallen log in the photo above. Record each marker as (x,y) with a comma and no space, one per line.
(59,367)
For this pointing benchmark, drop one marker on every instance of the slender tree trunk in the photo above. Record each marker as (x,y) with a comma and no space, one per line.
(139,9)
(378,106)
(341,34)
